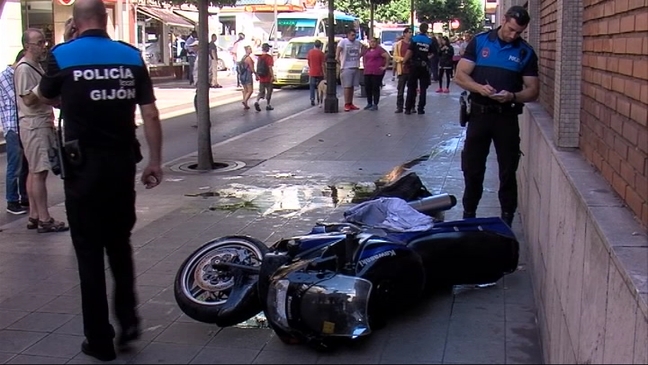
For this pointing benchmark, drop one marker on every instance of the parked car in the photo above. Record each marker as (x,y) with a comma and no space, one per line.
(291,68)
(225,61)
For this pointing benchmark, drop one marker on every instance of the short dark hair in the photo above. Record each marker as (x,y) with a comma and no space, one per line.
(20,55)
(318,43)
(519,13)
(423,27)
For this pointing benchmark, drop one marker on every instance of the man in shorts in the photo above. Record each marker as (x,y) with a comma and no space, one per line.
(265,76)
(36,125)
(348,54)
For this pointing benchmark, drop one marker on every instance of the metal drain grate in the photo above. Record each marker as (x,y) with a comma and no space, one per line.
(218,167)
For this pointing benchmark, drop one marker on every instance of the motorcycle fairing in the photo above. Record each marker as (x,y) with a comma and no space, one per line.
(243,301)
(308,243)
(312,306)
(472,251)
(396,272)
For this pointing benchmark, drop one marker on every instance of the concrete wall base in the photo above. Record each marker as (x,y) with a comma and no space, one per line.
(588,254)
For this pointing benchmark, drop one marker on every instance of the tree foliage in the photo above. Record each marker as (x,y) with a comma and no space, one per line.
(469,13)
(397,11)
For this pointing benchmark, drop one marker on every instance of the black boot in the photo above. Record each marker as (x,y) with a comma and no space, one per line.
(100,351)
(128,334)
(467,215)
(508,218)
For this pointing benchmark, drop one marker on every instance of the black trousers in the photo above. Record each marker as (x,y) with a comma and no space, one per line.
(100,203)
(419,78)
(448,74)
(372,85)
(400,97)
(504,131)
(434,68)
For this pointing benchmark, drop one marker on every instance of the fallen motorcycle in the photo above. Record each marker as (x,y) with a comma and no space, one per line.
(340,280)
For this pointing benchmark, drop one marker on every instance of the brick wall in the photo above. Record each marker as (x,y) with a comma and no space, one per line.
(614,107)
(547,52)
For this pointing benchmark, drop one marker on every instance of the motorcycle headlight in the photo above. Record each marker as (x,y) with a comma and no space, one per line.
(277,301)
(320,305)
(337,306)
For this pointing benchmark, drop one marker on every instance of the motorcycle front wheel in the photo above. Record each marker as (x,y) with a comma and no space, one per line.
(223,296)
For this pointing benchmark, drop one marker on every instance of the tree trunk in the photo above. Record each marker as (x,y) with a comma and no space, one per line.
(372,9)
(205,157)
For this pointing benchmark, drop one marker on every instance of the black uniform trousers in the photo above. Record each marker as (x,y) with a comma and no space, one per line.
(504,131)
(419,78)
(100,203)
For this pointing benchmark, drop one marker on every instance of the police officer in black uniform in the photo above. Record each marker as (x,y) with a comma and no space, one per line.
(501,72)
(422,49)
(100,82)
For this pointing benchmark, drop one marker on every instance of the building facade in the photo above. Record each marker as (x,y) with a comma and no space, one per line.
(50,17)
(583,178)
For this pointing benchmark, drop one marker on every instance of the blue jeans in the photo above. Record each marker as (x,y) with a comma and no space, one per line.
(313,81)
(16,169)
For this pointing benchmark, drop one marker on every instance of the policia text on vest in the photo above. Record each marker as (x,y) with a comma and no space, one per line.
(496,67)
(124,75)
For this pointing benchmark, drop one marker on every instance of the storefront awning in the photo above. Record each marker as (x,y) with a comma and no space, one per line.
(165,16)
(190,15)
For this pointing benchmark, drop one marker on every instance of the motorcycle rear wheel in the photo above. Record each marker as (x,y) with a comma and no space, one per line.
(202,290)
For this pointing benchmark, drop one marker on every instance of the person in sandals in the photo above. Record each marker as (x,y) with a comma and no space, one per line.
(36,126)
(246,74)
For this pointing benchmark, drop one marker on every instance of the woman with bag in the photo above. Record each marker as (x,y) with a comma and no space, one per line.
(446,52)
(246,74)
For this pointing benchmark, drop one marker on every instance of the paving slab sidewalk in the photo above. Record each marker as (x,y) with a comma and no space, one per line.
(292,173)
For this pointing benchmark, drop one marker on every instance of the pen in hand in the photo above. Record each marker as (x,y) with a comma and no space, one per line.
(489,89)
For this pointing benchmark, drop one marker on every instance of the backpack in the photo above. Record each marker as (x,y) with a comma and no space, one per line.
(408,186)
(262,66)
(241,66)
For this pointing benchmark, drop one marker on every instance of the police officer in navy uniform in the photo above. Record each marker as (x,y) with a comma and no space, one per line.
(501,72)
(100,82)
(422,49)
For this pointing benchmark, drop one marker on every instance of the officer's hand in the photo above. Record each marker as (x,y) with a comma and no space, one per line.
(152,176)
(502,96)
(486,90)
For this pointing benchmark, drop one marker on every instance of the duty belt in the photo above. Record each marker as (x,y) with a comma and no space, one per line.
(495,109)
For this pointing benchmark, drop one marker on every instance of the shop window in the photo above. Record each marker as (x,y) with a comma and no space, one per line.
(229,26)
(149,34)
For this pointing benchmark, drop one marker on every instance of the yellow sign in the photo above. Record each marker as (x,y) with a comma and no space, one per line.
(328,327)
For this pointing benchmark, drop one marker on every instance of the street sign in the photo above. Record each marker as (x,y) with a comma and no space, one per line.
(66,2)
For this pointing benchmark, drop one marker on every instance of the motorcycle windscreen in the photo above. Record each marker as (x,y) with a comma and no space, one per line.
(337,306)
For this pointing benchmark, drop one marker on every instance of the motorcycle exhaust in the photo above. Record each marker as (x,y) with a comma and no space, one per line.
(434,203)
